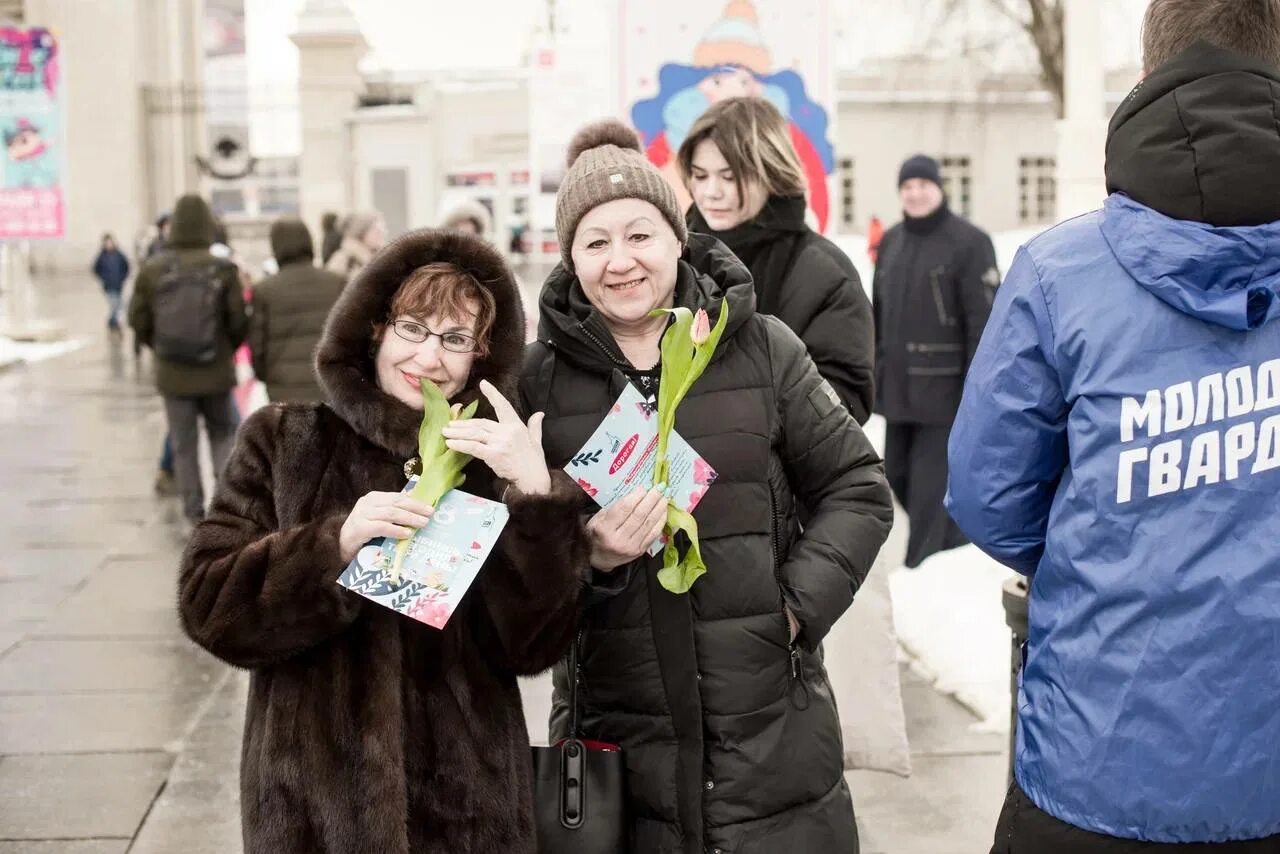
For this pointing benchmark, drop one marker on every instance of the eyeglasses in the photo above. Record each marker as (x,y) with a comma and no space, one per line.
(415,332)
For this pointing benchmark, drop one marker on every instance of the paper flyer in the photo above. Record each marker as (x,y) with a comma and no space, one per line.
(443,560)
(620,456)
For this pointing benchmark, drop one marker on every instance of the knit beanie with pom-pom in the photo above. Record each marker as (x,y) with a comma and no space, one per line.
(606,163)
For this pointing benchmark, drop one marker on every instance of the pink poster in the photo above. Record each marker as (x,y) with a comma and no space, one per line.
(31,120)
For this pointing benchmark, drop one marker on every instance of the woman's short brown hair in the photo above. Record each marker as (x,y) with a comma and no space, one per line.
(443,289)
(755,141)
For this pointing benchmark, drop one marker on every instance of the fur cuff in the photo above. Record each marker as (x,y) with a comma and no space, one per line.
(534,515)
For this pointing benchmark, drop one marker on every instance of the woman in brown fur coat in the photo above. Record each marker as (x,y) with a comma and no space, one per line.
(367,731)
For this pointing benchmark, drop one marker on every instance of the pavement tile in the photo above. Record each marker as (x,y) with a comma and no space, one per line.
(949,805)
(79,796)
(122,598)
(27,601)
(93,723)
(199,810)
(67,846)
(9,640)
(35,564)
(171,667)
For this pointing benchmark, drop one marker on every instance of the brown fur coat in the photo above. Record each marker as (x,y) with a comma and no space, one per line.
(367,731)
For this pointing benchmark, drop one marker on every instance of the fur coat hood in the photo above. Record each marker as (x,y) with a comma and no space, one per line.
(344,359)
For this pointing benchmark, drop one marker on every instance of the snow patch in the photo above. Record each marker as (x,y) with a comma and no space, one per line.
(12,351)
(950,618)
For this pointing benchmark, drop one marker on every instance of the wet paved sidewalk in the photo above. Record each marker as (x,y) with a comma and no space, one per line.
(118,735)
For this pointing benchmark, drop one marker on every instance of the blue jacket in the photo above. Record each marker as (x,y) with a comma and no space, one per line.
(1119,442)
(112,269)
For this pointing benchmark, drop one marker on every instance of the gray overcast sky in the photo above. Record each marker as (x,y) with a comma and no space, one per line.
(427,34)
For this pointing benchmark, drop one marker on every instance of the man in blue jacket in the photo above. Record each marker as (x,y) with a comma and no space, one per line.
(1119,442)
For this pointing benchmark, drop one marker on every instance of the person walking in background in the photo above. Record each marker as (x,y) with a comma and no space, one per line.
(112,269)
(188,307)
(719,698)
(161,239)
(364,234)
(1117,444)
(470,217)
(368,731)
(875,234)
(932,293)
(748,191)
(289,311)
(330,236)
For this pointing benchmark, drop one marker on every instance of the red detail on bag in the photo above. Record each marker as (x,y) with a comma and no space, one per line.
(625,454)
(594,745)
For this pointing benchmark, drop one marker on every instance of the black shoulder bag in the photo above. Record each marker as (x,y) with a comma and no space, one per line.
(579,795)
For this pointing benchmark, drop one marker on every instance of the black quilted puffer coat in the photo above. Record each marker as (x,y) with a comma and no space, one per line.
(730,733)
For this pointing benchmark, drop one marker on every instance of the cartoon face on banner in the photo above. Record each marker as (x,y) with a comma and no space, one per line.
(733,60)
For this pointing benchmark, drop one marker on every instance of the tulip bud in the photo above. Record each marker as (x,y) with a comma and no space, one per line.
(701,329)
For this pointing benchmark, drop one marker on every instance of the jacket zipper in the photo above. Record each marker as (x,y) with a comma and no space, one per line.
(797,690)
(943,318)
(773,538)
(604,349)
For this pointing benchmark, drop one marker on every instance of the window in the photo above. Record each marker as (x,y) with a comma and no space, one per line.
(1037,190)
(957,183)
(390,191)
(227,201)
(846,194)
(278,200)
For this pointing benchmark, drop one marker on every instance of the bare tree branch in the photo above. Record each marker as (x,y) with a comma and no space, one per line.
(1042,22)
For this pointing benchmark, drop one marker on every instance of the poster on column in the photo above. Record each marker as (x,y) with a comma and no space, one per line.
(32,186)
(678,57)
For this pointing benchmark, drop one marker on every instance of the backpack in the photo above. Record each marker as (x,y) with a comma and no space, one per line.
(188,313)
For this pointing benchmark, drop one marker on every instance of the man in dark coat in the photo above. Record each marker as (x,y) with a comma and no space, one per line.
(197,386)
(932,293)
(289,310)
(330,235)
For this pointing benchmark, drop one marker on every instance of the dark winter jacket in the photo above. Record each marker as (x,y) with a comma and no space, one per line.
(804,280)
(731,737)
(190,237)
(932,294)
(366,730)
(289,310)
(1119,443)
(112,269)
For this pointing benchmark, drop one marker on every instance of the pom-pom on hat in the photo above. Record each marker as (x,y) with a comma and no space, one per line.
(607,163)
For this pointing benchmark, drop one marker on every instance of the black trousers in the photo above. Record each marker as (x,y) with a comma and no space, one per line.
(1024,828)
(915,464)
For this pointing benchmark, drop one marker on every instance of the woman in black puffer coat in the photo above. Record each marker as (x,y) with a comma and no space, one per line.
(719,697)
(748,190)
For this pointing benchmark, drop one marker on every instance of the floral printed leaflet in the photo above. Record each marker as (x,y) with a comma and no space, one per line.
(619,458)
(443,559)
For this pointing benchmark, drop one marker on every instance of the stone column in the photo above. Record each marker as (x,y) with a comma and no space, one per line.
(124,163)
(330,46)
(1082,132)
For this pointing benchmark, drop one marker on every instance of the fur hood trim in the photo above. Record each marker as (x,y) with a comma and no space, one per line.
(344,359)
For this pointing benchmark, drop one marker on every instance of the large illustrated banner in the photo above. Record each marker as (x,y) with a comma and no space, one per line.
(679,57)
(32,187)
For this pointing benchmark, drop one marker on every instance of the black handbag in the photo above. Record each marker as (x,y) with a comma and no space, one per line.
(579,794)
